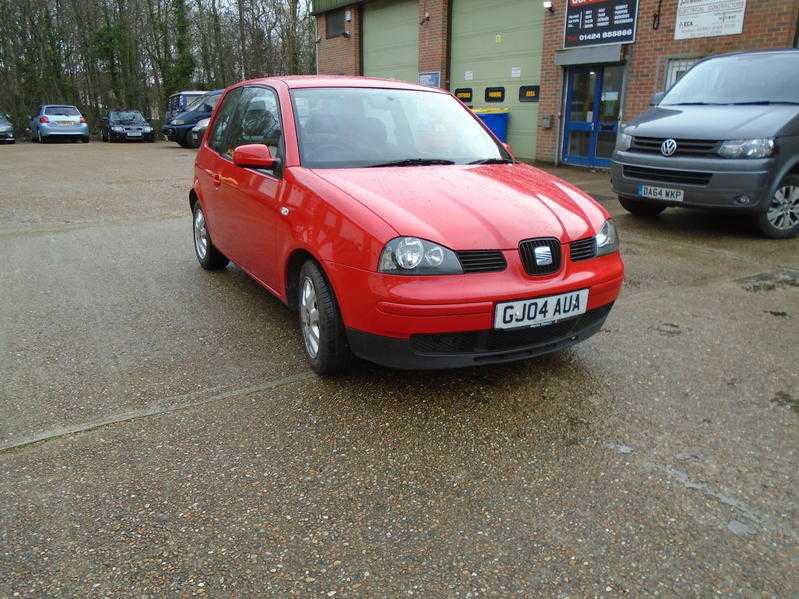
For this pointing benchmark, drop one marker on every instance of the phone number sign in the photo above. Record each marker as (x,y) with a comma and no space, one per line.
(600,22)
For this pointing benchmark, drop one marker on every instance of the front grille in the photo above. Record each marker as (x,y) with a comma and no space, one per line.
(492,340)
(666,176)
(685,147)
(482,261)
(583,249)
(527,253)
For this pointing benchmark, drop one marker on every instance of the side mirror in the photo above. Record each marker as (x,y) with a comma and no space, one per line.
(207,108)
(656,98)
(254,156)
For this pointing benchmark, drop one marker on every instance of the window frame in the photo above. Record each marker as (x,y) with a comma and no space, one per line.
(328,14)
(277,172)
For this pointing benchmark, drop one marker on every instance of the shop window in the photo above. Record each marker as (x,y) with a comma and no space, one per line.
(678,67)
(335,23)
(529,93)
(495,94)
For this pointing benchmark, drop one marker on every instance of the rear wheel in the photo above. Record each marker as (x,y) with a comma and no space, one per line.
(39,137)
(323,333)
(780,218)
(639,208)
(208,256)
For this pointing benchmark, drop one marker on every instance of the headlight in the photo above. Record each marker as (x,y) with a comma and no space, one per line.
(747,148)
(178,122)
(117,129)
(202,124)
(607,240)
(623,141)
(413,256)
(147,129)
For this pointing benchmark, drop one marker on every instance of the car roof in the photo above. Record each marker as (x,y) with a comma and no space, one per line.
(306,81)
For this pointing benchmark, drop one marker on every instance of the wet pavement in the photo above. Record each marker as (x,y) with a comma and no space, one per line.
(160,432)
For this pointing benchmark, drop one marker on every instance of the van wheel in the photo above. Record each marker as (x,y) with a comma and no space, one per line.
(208,256)
(322,328)
(639,208)
(780,217)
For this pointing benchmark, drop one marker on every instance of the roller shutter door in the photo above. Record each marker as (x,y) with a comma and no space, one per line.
(391,39)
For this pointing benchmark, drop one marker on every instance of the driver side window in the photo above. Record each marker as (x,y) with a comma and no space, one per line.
(257,121)
(218,139)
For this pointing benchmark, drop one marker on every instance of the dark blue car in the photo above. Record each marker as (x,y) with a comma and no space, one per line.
(179,128)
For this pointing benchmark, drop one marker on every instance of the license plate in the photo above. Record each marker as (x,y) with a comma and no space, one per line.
(541,310)
(661,193)
(134,133)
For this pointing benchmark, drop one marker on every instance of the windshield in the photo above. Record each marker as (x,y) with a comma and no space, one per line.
(4,122)
(127,117)
(210,99)
(742,79)
(61,111)
(355,127)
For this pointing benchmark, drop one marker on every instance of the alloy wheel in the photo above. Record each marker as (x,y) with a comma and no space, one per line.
(309,317)
(783,212)
(200,234)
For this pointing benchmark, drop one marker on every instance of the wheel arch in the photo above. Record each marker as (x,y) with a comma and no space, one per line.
(291,273)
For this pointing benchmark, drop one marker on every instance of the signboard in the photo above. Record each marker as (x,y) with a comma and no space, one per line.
(529,93)
(495,94)
(430,78)
(600,22)
(709,18)
(464,94)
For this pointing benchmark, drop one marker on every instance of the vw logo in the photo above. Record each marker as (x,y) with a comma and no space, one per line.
(668,147)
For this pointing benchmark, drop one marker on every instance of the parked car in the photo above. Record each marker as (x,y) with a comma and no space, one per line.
(125,125)
(725,136)
(7,133)
(178,102)
(398,226)
(179,128)
(59,121)
(198,131)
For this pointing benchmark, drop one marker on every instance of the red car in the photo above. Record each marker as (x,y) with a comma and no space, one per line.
(398,226)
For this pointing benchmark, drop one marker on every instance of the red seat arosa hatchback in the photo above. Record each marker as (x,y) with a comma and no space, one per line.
(398,226)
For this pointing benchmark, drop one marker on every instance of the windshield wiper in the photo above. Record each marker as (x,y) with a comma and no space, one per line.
(414,162)
(763,103)
(492,161)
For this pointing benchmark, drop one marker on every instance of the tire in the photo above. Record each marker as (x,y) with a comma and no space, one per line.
(639,208)
(209,257)
(85,140)
(321,327)
(40,139)
(779,218)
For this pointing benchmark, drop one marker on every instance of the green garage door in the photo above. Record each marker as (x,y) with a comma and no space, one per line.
(391,39)
(496,49)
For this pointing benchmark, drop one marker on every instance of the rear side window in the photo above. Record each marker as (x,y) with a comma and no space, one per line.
(61,111)
(257,121)
(218,139)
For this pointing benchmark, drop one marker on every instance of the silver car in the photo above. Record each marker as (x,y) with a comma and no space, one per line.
(725,136)
(59,121)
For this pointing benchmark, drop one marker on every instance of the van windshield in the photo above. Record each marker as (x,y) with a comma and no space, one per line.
(210,99)
(360,127)
(767,78)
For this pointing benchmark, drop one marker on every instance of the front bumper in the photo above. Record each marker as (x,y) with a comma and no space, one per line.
(726,180)
(177,133)
(125,136)
(475,348)
(7,137)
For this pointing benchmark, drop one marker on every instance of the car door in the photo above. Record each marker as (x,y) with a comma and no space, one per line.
(252,196)
(210,162)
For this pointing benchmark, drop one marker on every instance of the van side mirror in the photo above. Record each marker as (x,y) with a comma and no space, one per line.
(254,156)
(656,98)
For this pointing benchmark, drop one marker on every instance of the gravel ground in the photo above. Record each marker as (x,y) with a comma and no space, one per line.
(160,432)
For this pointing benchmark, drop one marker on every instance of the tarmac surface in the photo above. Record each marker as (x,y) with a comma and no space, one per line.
(160,432)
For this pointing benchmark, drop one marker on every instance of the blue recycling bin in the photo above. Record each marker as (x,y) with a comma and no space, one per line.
(495,119)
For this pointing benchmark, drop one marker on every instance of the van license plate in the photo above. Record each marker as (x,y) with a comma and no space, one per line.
(661,193)
(541,310)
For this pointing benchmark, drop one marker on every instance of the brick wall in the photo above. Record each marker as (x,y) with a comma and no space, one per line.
(767,24)
(433,36)
(340,55)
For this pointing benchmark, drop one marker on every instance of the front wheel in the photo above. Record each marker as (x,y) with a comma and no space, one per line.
(639,208)
(208,256)
(323,333)
(780,218)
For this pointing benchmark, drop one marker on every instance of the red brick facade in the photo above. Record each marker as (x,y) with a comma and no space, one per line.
(433,38)
(767,24)
(340,55)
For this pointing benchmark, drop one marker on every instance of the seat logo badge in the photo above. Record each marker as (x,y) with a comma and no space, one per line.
(668,147)
(543,256)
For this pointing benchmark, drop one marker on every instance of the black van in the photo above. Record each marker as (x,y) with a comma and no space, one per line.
(179,128)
